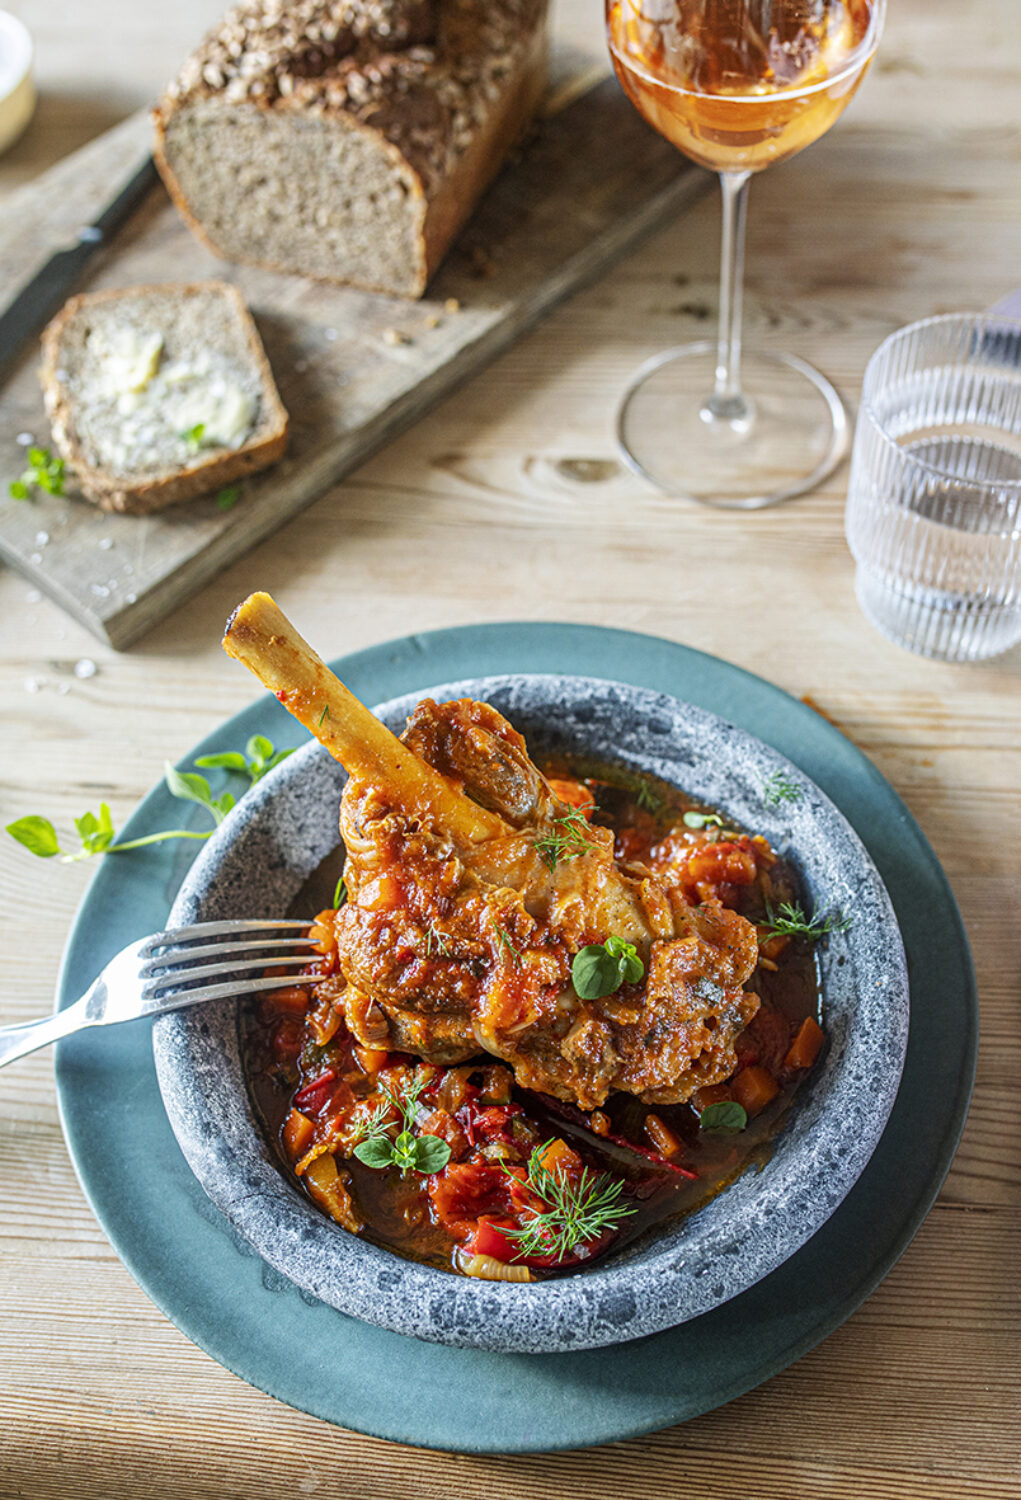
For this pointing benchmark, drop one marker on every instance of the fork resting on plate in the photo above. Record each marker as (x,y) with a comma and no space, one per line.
(169,970)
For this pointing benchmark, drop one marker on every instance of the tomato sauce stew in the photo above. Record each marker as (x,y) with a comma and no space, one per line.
(460,1168)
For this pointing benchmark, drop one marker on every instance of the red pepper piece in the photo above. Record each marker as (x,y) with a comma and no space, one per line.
(314,1094)
(488,1239)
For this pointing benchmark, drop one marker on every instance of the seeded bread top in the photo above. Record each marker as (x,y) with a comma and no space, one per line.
(425,73)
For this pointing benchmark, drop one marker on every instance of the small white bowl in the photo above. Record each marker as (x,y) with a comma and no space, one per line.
(17,86)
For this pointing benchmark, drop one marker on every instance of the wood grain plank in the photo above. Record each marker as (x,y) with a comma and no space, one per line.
(507,503)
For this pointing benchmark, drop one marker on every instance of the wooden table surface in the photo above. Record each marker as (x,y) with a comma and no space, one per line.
(507,502)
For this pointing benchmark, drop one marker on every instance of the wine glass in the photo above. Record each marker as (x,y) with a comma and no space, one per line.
(737,85)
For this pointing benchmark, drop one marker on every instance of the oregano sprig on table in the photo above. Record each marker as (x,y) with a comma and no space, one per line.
(96,833)
(258,758)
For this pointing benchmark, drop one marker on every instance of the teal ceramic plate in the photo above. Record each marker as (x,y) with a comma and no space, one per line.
(256,1323)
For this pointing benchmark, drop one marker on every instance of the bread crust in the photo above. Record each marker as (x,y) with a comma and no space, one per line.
(447,167)
(113,494)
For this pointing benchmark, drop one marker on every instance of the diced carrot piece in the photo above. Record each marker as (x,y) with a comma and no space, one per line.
(298,1133)
(661,1136)
(371,1059)
(772,945)
(290,1001)
(754,1088)
(806,1045)
(558,1156)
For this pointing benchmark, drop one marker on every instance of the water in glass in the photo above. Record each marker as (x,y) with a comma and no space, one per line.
(934,497)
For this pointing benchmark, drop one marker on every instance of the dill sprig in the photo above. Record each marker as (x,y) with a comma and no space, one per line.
(579,1209)
(438,940)
(648,800)
(779,788)
(569,837)
(789,920)
(505,941)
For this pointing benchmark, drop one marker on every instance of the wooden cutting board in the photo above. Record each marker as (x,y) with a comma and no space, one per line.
(353,368)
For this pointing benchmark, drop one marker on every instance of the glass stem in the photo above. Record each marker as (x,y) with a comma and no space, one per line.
(727,403)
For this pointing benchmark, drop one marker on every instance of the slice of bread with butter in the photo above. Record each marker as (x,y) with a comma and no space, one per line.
(156,394)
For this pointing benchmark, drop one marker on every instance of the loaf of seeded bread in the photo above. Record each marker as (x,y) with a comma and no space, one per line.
(348,139)
(156,394)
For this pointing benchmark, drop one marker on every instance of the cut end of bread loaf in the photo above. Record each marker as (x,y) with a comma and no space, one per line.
(324,198)
(157,394)
(348,140)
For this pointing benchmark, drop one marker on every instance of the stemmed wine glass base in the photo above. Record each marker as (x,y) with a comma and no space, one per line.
(784,435)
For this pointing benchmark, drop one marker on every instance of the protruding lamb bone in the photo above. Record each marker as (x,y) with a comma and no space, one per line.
(260,636)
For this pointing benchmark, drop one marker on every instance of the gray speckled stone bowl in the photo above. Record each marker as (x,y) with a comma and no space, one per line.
(258,861)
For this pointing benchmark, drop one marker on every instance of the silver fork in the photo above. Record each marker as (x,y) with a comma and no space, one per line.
(155,975)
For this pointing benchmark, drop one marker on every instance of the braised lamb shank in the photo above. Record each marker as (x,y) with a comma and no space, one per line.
(471,887)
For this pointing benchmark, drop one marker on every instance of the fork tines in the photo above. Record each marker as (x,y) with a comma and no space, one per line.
(173,959)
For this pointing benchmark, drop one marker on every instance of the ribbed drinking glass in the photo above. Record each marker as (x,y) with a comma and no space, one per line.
(934,498)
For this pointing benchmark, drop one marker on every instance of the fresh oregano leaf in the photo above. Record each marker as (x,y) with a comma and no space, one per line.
(35,834)
(226,760)
(601,968)
(702,820)
(377,1152)
(725,1118)
(431,1154)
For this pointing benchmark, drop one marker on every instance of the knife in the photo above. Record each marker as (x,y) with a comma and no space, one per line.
(49,288)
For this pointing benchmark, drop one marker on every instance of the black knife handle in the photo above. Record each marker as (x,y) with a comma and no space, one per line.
(50,287)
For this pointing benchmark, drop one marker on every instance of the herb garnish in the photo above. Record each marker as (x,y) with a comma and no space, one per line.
(702,820)
(194,435)
(434,937)
(339,893)
(790,921)
(191,787)
(569,837)
(580,1209)
(226,499)
(779,788)
(602,968)
(259,757)
(504,940)
(406,1151)
(324,715)
(648,800)
(96,832)
(44,472)
(725,1118)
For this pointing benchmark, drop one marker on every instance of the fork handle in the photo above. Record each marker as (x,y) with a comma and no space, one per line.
(18,1041)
